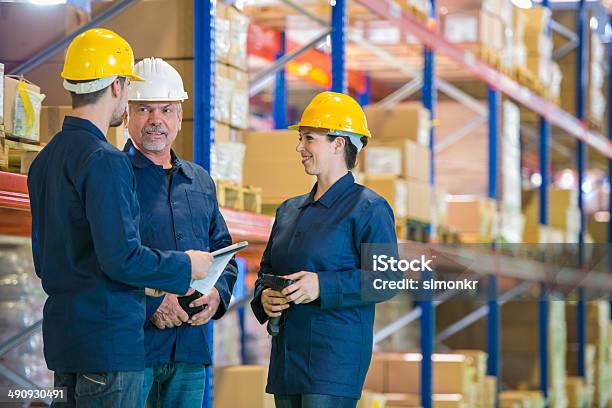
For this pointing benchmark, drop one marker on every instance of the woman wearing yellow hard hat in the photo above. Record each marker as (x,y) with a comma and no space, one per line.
(322,319)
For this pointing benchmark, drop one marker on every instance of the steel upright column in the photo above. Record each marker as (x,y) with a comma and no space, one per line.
(428,317)
(581,85)
(493,322)
(364,97)
(280,89)
(338,44)
(204,120)
(543,305)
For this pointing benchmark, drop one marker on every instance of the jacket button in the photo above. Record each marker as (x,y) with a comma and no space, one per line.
(179,236)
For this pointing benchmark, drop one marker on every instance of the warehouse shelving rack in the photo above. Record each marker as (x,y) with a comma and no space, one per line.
(497,84)
(13,189)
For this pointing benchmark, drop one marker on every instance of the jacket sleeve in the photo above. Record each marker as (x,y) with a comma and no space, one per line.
(265,266)
(349,288)
(107,187)
(220,238)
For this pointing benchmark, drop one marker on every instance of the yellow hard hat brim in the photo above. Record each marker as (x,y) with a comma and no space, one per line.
(294,127)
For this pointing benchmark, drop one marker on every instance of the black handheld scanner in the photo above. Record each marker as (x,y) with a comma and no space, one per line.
(277,283)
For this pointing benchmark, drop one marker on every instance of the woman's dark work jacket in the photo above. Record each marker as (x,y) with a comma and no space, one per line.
(325,347)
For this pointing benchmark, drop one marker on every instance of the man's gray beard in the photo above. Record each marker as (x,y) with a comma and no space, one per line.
(153,146)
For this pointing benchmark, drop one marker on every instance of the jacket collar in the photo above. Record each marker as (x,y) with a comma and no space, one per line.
(333,194)
(140,161)
(72,122)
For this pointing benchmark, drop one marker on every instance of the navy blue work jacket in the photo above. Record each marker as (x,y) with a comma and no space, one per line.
(180,215)
(325,347)
(88,253)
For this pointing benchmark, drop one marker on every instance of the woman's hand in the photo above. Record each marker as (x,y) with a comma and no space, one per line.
(305,290)
(273,302)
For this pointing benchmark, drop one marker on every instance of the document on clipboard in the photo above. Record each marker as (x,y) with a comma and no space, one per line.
(220,259)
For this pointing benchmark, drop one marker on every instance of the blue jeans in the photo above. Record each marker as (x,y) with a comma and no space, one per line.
(313,401)
(176,385)
(119,389)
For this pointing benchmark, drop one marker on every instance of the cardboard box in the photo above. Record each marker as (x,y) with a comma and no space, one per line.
(576,392)
(392,189)
(525,399)
(418,202)
(222,133)
(17,121)
(491,31)
(272,164)
(51,121)
(476,359)
(405,158)
(239,28)
(250,380)
(26,161)
(381,160)
(402,400)
(489,391)
(222,33)
(563,210)
(224,90)
(451,375)
(239,105)
(470,214)
(404,121)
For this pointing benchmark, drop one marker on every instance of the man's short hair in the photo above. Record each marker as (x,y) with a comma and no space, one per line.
(79,100)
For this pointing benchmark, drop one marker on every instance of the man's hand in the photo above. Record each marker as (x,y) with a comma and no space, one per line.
(211,303)
(169,313)
(306,288)
(200,263)
(273,302)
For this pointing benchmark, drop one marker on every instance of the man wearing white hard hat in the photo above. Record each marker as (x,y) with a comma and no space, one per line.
(179,211)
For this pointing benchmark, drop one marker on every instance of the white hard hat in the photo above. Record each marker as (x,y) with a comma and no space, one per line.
(161,82)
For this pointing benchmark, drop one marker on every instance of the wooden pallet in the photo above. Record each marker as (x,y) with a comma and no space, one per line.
(412,230)
(16,156)
(447,235)
(237,197)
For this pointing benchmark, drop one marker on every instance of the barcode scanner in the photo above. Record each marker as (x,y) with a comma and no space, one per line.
(277,283)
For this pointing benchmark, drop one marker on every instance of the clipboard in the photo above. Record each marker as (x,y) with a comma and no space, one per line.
(230,249)
(220,259)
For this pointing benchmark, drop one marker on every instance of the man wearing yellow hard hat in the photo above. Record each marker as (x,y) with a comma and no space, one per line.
(179,199)
(322,319)
(86,240)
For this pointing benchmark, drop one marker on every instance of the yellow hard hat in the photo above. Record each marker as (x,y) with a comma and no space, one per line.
(337,112)
(96,54)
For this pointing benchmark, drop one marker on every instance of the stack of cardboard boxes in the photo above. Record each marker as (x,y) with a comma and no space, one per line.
(597,99)
(272,164)
(511,220)
(472,216)
(563,217)
(396,162)
(231,93)
(459,379)
(597,332)
(242,386)
(533,47)
(495,31)
(580,389)
(520,348)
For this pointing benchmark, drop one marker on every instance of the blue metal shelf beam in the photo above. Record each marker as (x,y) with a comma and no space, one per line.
(204,122)
(493,318)
(543,304)
(428,312)
(581,86)
(338,45)
(280,89)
